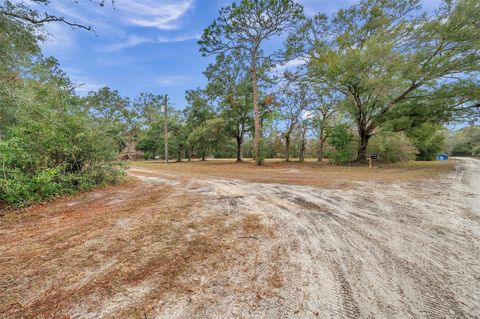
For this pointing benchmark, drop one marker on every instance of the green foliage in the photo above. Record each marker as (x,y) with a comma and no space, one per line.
(229,85)
(246,24)
(392,147)
(207,136)
(152,139)
(387,60)
(18,45)
(27,176)
(49,146)
(341,139)
(429,139)
(379,65)
(466,141)
(243,28)
(114,114)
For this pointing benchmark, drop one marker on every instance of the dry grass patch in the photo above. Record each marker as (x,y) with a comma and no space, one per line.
(118,252)
(307,173)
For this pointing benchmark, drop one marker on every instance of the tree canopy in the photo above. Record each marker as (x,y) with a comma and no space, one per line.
(380,76)
(244,27)
(384,56)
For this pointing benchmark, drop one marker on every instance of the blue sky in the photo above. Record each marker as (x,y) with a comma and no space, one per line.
(144,45)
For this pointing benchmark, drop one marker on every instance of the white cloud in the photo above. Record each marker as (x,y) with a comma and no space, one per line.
(163,15)
(292,64)
(174,80)
(131,41)
(179,38)
(159,14)
(134,40)
(110,21)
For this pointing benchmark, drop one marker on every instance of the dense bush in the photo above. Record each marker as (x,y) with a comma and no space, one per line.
(429,139)
(342,145)
(50,146)
(466,141)
(392,147)
(40,165)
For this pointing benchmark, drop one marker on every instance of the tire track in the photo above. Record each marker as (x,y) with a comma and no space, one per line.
(399,251)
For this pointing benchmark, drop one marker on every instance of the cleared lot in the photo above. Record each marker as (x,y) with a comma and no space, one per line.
(308,173)
(209,240)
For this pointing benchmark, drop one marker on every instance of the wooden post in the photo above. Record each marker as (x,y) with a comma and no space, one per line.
(370,162)
(166,129)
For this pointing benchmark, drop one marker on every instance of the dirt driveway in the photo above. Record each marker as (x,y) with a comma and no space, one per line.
(176,246)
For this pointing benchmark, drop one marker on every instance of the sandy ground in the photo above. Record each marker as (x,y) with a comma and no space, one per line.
(174,245)
(309,173)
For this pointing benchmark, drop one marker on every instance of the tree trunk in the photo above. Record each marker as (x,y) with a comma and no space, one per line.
(256,112)
(321,145)
(320,151)
(179,155)
(239,149)
(203,158)
(189,154)
(287,148)
(362,147)
(301,157)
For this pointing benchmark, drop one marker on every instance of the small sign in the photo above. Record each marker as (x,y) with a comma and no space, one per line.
(374,157)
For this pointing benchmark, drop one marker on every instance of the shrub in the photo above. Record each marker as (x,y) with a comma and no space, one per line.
(392,147)
(429,139)
(466,141)
(54,159)
(342,142)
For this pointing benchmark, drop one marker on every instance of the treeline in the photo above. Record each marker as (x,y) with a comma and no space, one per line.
(51,142)
(380,70)
(465,142)
(378,77)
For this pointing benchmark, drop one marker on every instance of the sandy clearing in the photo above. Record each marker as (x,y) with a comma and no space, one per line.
(174,246)
(309,173)
(398,250)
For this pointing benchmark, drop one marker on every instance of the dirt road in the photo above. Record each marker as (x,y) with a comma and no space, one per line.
(175,246)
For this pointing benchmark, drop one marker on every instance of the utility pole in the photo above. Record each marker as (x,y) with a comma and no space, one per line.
(166,129)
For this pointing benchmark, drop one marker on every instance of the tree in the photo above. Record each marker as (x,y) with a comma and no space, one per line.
(53,146)
(466,141)
(18,50)
(245,27)
(30,16)
(429,139)
(392,147)
(196,114)
(152,139)
(112,111)
(49,144)
(179,134)
(341,139)
(294,100)
(303,128)
(325,105)
(229,83)
(207,136)
(148,107)
(381,54)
